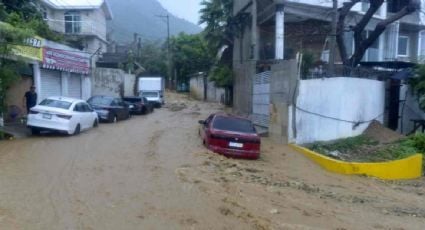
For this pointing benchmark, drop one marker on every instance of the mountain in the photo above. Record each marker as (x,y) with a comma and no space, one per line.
(141,16)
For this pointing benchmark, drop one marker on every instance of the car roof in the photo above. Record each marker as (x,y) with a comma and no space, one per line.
(102,96)
(66,99)
(227,115)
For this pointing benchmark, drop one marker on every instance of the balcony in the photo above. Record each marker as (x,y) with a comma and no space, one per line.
(81,28)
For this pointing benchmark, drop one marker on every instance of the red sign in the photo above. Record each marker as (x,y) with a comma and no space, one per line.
(66,60)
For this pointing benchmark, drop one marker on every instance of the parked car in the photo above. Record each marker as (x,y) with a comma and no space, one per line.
(67,115)
(139,105)
(110,109)
(230,136)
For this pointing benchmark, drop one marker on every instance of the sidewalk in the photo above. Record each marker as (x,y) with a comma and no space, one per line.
(17,130)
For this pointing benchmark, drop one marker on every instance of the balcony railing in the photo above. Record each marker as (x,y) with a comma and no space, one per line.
(77,27)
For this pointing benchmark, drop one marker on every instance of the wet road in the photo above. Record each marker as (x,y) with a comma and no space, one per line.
(151,172)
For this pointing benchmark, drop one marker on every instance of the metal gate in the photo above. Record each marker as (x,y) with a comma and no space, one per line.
(74,86)
(50,83)
(261,99)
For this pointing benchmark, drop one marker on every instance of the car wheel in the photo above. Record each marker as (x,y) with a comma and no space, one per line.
(95,123)
(112,118)
(77,130)
(35,131)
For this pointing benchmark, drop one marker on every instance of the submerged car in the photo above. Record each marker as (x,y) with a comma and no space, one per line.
(67,115)
(139,105)
(110,109)
(230,136)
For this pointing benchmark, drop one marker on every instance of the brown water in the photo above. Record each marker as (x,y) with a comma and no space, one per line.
(151,172)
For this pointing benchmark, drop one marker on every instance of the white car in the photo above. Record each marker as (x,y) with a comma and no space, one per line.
(67,115)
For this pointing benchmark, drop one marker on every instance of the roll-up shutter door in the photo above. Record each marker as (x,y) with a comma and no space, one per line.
(74,86)
(50,83)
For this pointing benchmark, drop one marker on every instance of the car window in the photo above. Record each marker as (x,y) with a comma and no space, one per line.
(150,94)
(208,120)
(100,101)
(132,99)
(87,108)
(56,104)
(114,102)
(79,107)
(233,124)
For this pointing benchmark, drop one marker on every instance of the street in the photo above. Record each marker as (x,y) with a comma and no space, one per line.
(151,172)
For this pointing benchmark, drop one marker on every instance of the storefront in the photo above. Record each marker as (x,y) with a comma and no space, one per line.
(64,72)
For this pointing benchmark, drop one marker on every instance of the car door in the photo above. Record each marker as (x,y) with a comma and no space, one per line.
(87,117)
(79,115)
(205,128)
(123,107)
(116,108)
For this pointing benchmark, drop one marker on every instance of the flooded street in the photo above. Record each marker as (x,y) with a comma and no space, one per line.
(151,172)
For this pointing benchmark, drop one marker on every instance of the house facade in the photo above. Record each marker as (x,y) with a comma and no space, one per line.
(266,61)
(83,22)
(284,28)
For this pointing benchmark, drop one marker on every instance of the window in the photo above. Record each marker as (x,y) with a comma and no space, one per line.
(403,46)
(79,107)
(72,22)
(44,13)
(233,124)
(365,5)
(56,104)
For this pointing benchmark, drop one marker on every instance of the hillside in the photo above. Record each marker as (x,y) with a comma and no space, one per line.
(141,16)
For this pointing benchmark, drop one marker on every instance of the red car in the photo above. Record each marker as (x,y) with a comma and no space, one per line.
(230,136)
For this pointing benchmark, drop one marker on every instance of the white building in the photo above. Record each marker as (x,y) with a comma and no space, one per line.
(276,20)
(79,20)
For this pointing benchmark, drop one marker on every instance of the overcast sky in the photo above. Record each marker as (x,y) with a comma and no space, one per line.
(187,9)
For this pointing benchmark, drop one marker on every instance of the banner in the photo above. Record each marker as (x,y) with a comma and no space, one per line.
(31,49)
(66,60)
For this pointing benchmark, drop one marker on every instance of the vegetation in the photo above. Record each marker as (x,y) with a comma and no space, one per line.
(365,149)
(18,20)
(190,55)
(362,43)
(153,57)
(418,85)
(144,19)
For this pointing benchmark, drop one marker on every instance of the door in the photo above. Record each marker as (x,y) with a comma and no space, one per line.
(50,84)
(74,86)
(261,99)
(79,113)
(88,117)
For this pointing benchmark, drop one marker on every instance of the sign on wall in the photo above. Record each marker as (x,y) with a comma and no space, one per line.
(31,49)
(66,60)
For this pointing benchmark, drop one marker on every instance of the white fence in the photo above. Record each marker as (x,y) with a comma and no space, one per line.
(334,108)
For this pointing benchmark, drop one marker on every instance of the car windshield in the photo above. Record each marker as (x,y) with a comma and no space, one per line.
(132,99)
(100,100)
(233,124)
(56,104)
(150,94)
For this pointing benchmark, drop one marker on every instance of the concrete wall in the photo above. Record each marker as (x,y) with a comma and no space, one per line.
(196,87)
(14,98)
(112,82)
(129,84)
(282,87)
(350,99)
(214,94)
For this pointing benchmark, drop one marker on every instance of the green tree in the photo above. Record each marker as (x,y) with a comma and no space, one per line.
(153,57)
(190,55)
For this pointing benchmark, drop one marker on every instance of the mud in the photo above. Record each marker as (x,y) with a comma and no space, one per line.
(151,172)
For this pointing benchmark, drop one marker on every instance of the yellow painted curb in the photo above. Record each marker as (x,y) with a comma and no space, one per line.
(408,168)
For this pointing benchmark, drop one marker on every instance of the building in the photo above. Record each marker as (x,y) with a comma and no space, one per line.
(267,72)
(284,28)
(82,21)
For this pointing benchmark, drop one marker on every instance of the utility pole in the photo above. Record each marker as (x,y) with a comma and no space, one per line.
(169,65)
(332,44)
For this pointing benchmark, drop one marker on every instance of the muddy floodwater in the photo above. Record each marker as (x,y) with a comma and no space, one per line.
(151,172)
